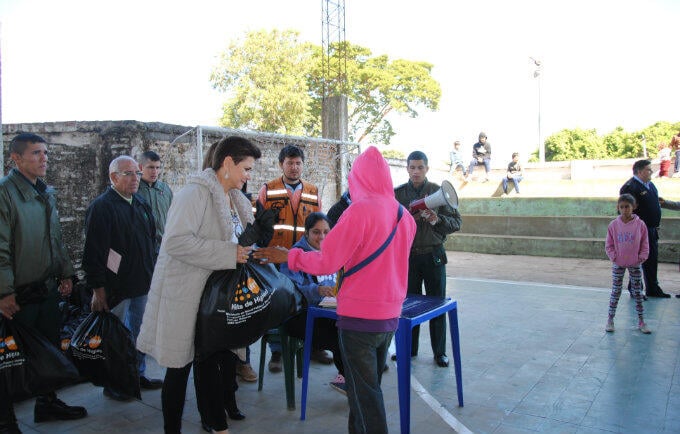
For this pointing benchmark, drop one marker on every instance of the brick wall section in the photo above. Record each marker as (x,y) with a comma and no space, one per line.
(80,153)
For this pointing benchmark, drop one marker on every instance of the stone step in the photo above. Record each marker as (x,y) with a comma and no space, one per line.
(586,248)
(554,226)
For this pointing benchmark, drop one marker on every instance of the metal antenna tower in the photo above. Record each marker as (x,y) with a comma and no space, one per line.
(334,58)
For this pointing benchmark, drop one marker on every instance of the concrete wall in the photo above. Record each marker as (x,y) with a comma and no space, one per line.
(80,153)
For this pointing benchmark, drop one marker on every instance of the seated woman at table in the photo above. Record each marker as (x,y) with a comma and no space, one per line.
(315,288)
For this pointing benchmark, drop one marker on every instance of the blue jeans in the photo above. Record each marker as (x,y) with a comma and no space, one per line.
(364,355)
(130,311)
(474,162)
(676,167)
(516,180)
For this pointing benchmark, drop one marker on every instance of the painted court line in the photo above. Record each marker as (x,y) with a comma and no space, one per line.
(447,417)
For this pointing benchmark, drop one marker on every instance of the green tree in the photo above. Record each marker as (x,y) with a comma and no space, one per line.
(574,144)
(375,86)
(393,153)
(265,78)
(578,144)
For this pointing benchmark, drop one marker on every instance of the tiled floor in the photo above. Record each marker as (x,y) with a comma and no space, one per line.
(535,359)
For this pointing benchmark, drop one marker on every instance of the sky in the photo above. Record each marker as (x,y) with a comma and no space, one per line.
(605,63)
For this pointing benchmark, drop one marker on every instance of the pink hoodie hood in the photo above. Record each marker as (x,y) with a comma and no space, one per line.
(378,290)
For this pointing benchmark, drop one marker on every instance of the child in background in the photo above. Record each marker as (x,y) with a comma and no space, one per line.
(456,159)
(664,160)
(627,246)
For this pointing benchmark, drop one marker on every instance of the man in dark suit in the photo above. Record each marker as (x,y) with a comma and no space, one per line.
(649,210)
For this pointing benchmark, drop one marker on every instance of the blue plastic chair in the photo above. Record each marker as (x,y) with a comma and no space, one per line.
(415,310)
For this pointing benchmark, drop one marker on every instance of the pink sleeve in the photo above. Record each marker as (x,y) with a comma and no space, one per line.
(609,246)
(644,244)
(336,250)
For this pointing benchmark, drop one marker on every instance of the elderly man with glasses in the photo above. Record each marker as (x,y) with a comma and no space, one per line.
(119,254)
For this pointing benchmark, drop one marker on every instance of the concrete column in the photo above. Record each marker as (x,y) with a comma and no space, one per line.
(334,126)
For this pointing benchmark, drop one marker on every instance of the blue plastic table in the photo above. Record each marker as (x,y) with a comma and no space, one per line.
(415,310)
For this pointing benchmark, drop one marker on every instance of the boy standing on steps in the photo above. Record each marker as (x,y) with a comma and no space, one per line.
(627,246)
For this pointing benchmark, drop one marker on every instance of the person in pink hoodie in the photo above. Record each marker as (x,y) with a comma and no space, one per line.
(627,246)
(370,299)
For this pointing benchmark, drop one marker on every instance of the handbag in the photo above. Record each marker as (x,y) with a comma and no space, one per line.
(104,352)
(239,305)
(342,273)
(29,364)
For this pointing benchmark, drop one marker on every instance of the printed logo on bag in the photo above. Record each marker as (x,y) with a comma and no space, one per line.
(88,348)
(10,355)
(245,292)
(11,343)
(94,342)
(249,299)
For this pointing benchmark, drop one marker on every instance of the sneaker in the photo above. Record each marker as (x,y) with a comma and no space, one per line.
(610,325)
(275,362)
(339,385)
(643,328)
(246,373)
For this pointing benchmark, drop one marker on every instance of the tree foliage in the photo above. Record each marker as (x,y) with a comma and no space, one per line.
(578,144)
(264,76)
(276,83)
(393,153)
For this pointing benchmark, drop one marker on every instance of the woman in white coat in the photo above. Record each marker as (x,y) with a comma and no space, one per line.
(201,232)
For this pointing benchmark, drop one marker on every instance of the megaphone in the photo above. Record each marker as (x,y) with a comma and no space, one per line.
(446,195)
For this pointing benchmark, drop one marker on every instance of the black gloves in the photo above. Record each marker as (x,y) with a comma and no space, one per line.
(262,230)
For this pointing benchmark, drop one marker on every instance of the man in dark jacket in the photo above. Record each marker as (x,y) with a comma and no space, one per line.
(35,268)
(481,154)
(649,210)
(119,254)
(427,260)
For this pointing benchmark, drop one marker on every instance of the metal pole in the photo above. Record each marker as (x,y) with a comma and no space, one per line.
(541,145)
(537,75)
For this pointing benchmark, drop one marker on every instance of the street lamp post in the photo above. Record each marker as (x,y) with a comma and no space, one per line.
(537,75)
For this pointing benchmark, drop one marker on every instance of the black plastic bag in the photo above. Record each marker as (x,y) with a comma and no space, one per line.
(103,350)
(71,317)
(29,364)
(239,306)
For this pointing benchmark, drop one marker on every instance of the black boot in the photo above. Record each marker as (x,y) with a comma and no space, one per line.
(8,422)
(48,407)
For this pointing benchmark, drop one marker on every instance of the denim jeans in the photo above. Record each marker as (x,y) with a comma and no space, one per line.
(474,162)
(364,356)
(516,180)
(131,311)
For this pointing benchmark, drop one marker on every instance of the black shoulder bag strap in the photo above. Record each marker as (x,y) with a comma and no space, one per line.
(342,273)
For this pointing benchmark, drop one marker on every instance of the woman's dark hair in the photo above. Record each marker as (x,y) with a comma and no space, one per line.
(238,148)
(314,218)
(207,158)
(627,197)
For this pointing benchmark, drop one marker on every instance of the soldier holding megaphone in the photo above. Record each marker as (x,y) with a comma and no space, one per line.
(435,210)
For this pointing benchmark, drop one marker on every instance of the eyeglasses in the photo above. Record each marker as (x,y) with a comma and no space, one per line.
(130,173)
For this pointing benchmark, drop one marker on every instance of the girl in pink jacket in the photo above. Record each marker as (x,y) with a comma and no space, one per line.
(627,246)
(370,300)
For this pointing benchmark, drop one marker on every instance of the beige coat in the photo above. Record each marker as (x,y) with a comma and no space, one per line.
(196,242)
